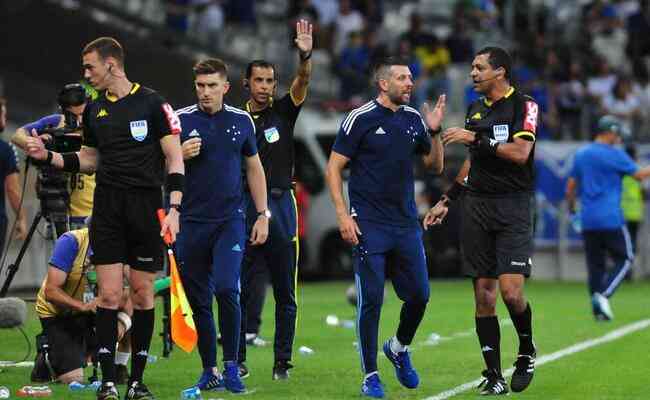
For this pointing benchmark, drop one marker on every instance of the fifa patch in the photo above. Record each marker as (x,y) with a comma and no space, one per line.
(500,133)
(272,135)
(477,116)
(102,113)
(139,130)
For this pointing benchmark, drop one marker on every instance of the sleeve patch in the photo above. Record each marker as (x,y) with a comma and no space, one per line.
(172,119)
(530,116)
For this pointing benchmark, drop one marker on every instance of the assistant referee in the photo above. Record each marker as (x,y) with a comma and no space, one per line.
(274,122)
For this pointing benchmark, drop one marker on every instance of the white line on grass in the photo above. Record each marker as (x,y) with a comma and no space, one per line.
(611,336)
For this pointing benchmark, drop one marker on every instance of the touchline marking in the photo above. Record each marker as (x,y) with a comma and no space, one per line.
(578,347)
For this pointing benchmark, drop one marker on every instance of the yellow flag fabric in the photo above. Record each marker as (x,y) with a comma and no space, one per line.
(183,328)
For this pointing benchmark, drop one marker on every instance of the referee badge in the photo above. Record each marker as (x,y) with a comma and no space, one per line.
(139,130)
(272,135)
(500,133)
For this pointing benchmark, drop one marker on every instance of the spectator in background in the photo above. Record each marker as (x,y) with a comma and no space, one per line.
(177,15)
(602,82)
(209,22)
(348,20)
(327,10)
(241,12)
(624,105)
(405,52)
(11,186)
(416,35)
(459,42)
(641,89)
(609,41)
(435,60)
(638,31)
(353,67)
(571,93)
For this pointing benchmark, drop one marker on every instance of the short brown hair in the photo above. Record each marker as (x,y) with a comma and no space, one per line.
(210,66)
(106,47)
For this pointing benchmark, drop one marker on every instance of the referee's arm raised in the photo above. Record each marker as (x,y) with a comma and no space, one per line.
(304,41)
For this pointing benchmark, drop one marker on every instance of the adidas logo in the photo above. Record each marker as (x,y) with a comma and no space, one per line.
(103,350)
(486,348)
(194,133)
(142,353)
(102,113)
(380,131)
(236,247)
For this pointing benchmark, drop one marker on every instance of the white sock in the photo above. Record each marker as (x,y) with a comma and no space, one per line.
(396,346)
(122,358)
(371,374)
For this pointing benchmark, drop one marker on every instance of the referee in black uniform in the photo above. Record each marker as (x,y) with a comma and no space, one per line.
(274,122)
(129,133)
(497,210)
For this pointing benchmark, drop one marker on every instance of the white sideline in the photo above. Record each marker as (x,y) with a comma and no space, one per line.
(611,336)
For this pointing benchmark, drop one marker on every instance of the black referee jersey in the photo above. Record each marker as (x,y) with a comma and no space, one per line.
(274,128)
(127,133)
(513,116)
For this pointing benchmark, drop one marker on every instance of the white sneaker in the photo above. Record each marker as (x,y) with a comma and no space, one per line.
(603,304)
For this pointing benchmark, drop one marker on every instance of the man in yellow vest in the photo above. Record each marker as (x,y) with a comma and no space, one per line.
(632,203)
(65,305)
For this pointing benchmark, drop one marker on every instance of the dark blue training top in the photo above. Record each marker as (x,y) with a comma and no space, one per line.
(7,167)
(382,145)
(213,179)
(598,169)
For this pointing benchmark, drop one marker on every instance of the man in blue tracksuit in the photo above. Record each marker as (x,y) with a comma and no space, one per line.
(598,170)
(216,140)
(381,140)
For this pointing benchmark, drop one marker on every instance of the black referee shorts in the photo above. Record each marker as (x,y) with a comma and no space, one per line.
(125,228)
(497,234)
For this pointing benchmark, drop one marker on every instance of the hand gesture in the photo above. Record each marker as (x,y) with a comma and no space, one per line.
(260,231)
(304,39)
(35,147)
(170,223)
(433,117)
(458,135)
(349,229)
(191,148)
(435,215)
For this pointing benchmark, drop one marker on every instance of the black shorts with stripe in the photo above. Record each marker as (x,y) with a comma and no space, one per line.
(125,228)
(497,234)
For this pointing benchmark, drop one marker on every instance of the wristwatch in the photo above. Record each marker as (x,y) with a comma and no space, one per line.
(176,207)
(266,213)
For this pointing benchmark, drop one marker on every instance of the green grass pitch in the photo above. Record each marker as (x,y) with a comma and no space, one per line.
(561,313)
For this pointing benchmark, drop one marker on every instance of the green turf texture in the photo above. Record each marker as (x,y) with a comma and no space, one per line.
(561,318)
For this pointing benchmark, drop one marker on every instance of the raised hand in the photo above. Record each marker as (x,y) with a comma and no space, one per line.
(304,39)
(433,117)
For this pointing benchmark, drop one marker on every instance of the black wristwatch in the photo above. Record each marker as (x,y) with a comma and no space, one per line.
(266,213)
(433,132)
(176,207)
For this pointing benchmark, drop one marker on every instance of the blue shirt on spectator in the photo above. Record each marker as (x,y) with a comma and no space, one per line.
(214,177)
(382,146)
(598,169)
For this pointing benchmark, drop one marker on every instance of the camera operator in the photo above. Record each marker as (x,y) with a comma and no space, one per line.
(62,132)
(9,173)
(66,305)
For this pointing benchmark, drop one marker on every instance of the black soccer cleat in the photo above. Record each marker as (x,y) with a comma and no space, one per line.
(107,391)
(524,371)
(243,371)
(493,384)
(281,370)
(138,391)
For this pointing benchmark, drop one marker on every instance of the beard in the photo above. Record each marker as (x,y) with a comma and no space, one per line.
(398,98)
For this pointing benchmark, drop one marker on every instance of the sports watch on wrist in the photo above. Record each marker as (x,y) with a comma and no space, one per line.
(266,213)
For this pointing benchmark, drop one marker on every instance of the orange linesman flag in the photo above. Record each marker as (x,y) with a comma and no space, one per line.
(183,328)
